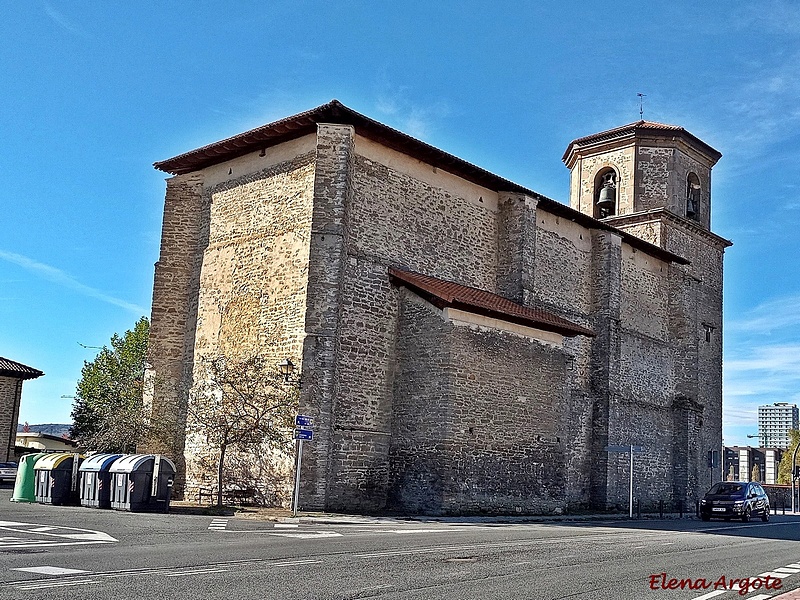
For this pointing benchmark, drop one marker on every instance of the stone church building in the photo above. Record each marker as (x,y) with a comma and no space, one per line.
(466,344)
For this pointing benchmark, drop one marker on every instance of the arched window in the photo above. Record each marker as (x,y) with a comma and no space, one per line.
(692,196)
(605,193)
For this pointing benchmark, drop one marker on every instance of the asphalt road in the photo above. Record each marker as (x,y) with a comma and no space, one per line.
(68,552)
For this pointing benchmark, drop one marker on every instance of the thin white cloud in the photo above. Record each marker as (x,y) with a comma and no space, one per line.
(62,21)
(775,314)
(61,278)
(408,116)
(780,16)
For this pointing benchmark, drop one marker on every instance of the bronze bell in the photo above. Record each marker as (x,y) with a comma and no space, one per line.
(608,198)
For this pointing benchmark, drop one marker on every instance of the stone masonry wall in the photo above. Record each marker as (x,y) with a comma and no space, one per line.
(394,218)
(10,394)
(333,191)
(697,329)
(586,170)
(172,321)
(253,278)
(476,430)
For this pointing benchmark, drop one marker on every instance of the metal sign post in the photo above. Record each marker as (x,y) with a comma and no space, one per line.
(302,432)
(629,448)
(297,477)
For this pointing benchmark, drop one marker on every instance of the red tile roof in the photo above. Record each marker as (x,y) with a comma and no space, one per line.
(10,368)
(335,112)
(632,129)
(442,293)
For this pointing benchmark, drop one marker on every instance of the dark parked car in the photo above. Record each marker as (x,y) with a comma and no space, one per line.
(8,471)
(735,499)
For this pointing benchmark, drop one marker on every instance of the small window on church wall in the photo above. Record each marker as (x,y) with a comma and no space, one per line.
(605,193)
(692,196)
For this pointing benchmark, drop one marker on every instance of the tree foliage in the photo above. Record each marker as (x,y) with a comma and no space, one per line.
(240,404)
(107,413)
(785,467)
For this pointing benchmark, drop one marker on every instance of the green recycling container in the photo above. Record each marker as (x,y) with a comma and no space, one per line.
(25,485)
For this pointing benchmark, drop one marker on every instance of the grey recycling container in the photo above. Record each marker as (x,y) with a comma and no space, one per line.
(95,481)
(142,483)
(57,478)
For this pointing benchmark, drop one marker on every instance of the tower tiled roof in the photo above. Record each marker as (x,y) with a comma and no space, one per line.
(10,368)
(637,127)
(443,293)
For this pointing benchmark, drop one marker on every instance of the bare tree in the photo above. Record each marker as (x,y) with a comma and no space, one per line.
(239,404)
(755,475)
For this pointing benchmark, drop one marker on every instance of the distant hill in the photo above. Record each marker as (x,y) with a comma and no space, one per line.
(52,428)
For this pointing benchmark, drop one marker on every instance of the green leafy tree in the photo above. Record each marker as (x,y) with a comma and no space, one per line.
(107,413)
(785,467)
(240,404)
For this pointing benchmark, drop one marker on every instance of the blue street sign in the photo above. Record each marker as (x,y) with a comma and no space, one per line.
(303,421)
(303,434)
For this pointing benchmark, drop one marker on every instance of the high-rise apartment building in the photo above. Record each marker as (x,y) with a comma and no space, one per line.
(774,423)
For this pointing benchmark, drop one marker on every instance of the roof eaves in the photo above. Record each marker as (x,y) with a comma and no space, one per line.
(11,368)
(442,294)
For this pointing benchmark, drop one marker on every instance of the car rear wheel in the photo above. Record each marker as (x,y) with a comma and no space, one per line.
(704,517)
(765,515)
(746,515)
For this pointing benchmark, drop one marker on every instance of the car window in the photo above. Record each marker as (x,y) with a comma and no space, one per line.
(726,488)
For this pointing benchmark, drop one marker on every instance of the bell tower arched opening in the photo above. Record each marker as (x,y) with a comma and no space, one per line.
(692,196)
(605,193)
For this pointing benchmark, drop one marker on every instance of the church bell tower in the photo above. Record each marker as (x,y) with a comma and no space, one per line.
(630,175)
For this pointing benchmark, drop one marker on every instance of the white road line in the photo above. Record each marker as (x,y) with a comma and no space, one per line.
(711,594)
(72,533)
(45,570)
(759,597)
(54,584)
(308,535)
(286,525)
(407,531)
(42,544)
(195,572)
(787,570)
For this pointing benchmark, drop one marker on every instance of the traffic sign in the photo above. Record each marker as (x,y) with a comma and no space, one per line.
(303,434)
(303,421)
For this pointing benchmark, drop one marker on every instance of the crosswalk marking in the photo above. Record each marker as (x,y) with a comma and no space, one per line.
(218,524)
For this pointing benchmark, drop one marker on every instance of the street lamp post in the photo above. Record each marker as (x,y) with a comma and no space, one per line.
(791,474)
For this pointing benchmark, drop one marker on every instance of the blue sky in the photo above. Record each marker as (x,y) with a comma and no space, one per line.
(93,93)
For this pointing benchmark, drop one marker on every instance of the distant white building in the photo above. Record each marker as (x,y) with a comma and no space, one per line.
(774,423)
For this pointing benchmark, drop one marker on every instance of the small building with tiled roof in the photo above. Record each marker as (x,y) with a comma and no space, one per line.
(466,344)
(12,375)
